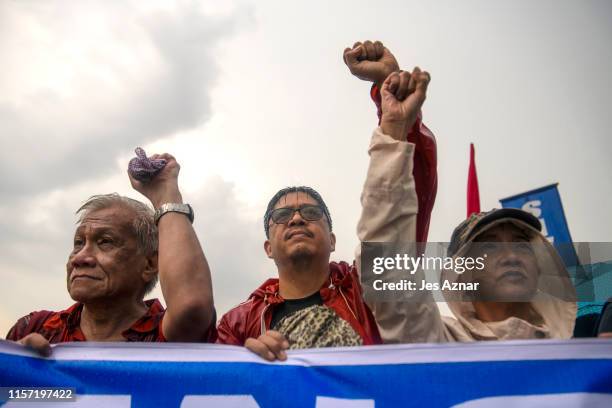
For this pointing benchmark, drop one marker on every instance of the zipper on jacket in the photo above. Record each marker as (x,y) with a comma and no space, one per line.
(332,286)
(262,320)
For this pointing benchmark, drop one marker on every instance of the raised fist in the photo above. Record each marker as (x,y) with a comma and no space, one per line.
(163,188)
(370,61)
(402,96)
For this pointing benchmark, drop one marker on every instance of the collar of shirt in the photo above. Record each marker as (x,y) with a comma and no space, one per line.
(69,323)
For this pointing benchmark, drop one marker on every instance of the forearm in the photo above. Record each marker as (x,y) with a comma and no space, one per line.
(185,280)
(389,204)
(389,211)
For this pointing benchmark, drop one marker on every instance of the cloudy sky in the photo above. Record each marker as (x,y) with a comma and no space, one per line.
(252,96)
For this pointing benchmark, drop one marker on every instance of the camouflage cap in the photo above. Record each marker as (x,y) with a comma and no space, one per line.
(474,223)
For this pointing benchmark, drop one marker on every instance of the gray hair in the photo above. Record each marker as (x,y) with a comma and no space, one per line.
(143,224)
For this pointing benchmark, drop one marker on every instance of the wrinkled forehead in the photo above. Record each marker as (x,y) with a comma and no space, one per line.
(116,218)
(295,199)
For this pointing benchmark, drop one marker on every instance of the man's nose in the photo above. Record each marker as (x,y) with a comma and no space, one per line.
(296,219)
(510,255)
(83,258)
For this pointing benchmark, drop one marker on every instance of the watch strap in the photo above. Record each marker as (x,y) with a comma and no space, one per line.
(174,207)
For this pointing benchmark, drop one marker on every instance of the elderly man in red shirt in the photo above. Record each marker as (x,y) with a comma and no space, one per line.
(120,247)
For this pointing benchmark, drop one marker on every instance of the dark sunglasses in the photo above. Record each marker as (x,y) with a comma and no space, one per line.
(307,212)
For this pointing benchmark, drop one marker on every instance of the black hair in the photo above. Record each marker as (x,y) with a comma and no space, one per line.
(301,189)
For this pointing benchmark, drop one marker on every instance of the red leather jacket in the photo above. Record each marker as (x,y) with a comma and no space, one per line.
(342,293)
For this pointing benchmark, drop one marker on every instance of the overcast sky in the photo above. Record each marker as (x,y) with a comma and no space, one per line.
(252,96)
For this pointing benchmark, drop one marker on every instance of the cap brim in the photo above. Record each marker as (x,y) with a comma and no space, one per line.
(513,213)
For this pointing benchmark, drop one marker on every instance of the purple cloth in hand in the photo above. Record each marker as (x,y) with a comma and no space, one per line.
(144,169)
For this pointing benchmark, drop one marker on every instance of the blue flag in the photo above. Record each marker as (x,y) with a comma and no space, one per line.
(545,204)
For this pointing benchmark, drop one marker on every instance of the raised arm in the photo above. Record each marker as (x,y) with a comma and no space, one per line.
(183,271)
(373,62)
(390,206)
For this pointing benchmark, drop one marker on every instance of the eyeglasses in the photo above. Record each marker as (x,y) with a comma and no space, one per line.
(307,212)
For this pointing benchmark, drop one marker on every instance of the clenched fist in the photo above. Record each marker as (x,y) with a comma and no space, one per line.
(402,95)
(370,61)
(163,188)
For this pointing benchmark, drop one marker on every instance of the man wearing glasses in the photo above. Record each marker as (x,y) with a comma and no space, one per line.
(315,303)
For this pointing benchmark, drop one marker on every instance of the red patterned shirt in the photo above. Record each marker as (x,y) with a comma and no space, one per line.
(58,327)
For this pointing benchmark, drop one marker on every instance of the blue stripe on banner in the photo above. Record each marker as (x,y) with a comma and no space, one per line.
(159,383)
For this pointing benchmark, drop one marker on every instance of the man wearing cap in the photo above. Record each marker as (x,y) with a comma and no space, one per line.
(315,303)
(523,290)
(119,248)
(418,319)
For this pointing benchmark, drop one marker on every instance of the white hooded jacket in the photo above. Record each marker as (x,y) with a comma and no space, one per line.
(389,208)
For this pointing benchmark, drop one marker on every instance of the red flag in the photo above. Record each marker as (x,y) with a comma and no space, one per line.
(473,196)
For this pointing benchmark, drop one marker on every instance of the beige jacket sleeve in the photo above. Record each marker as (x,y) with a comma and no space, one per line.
(389,212)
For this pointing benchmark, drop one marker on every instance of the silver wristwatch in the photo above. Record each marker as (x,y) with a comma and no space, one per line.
(174,207)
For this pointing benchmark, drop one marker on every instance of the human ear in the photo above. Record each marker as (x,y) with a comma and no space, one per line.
(151,268)
(268,248)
